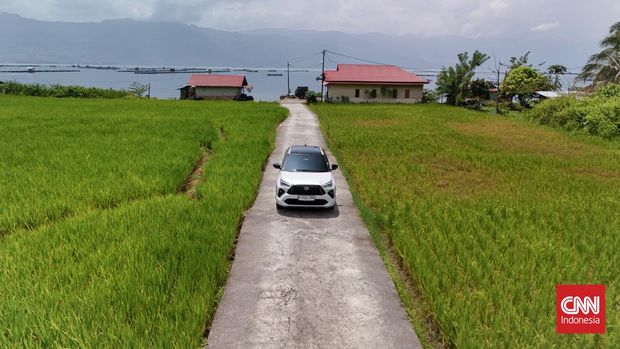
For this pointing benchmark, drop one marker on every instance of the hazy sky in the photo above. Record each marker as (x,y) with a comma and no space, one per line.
(472,18)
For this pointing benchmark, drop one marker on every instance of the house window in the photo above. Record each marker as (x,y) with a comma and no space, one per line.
(395,93)
(373,93)
(407,93)
(357,93)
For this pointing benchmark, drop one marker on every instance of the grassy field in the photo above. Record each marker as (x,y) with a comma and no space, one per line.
(488,215)
(101,247)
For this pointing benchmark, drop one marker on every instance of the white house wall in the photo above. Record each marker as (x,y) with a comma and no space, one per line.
(338,91)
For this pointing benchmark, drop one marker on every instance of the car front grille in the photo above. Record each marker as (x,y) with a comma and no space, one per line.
(319,202)
(306,190)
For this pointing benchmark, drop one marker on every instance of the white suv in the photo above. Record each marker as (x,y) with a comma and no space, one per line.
(305,179)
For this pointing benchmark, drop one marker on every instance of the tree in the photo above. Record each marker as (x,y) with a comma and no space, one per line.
(554,71)
(522,82)
(454,81)
(604,67)
(137,89)
(516,62)
(479,89)
(430,96)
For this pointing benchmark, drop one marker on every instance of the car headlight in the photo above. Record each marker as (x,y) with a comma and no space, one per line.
(328,184)
(284,183)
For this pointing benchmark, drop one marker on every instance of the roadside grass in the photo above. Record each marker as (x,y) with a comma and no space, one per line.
(488,214)
(147,270)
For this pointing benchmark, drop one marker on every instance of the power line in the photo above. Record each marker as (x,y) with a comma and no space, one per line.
(310,66)
(377,62)
(282,64)
(357,58)
(431,70)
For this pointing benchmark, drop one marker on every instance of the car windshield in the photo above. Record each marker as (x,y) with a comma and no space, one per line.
(305,163)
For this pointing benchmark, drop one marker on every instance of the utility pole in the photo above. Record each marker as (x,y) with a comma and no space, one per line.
(497,90)
(149,95)
(288,77)
(322,75)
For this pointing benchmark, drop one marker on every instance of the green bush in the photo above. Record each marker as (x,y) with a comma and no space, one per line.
(608,90)
(547,112)
(59,91)
(597,115)
(312,96)
(516,107)
(430,96)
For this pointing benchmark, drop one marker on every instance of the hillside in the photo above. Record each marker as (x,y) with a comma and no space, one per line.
(127,41)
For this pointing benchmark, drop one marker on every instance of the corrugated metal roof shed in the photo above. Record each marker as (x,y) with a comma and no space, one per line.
(550,94)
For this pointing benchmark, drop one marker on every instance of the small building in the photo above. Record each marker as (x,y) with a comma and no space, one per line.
(373,83)
(540,95)
(214,86)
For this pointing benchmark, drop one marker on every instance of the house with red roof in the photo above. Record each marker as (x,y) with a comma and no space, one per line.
(214,86)
(373,83)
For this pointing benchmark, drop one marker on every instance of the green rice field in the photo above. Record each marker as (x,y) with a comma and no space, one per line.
(488,214)
(100,245)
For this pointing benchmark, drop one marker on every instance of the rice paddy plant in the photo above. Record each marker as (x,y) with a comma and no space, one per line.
(61,157)
(144,271)
(488,213)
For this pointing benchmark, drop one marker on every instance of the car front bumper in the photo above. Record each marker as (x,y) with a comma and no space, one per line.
(293,200)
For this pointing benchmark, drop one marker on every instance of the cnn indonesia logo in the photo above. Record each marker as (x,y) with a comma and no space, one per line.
(580,308)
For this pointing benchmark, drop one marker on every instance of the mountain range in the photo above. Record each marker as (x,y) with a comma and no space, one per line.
(131,42)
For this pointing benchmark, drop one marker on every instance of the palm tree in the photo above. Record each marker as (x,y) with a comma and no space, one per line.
(604,67)
(454,81)
(554,72)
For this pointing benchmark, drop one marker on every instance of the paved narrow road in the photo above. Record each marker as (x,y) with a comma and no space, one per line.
(307,279)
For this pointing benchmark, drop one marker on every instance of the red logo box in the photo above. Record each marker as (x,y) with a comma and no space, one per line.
(580,308)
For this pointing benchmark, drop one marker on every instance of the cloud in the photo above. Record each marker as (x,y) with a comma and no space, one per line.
(464,18)
(545,27)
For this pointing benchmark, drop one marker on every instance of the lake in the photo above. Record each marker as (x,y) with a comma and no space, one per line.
(265,88)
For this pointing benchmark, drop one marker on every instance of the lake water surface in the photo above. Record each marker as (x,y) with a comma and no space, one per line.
(265,88)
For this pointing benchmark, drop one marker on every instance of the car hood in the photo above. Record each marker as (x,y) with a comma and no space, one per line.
(311,178)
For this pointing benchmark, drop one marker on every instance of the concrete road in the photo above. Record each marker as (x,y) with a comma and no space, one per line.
(308,279)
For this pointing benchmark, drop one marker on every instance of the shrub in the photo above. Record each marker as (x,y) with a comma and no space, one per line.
(59,91)
(517,107)
(137,89)
(549,109)
(312,96)
(598,115)
(387,92)
(608,91)
(430,96)
(340,100)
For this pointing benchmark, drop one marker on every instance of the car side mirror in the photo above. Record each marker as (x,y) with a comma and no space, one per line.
(277,165)
(334,167)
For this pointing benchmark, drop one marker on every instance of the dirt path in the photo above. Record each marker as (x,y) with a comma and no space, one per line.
(308,279)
